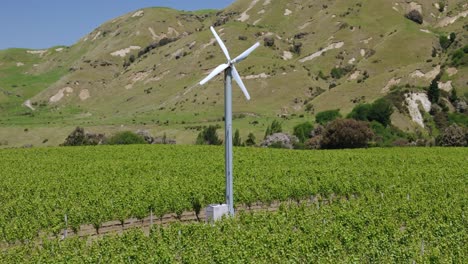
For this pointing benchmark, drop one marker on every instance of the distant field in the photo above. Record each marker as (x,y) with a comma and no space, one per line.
(420,191)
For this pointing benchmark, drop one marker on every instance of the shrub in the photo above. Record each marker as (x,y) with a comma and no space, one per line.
(302,131)
(95,139)
(441,120)
(208,136)
(453,36)
(441,6)
(269,41)
(386,136)
(147,49)
(445,42)
(126,138)
(433,93)
(453,96)
(327,116)
(236,141)
(360,112)
(397,97)
(460,57)
(415,16)
(461,106)
(453,136)
(314,143)
(78,137)
(250,140)
(346,133)
(296,48)
(458,118)
(300,35)
(322,76)
(337,73)
(309,108)
(457,56)
(275,127)
(380,111)
(318,131)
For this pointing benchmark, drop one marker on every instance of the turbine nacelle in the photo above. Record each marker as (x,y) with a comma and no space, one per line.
(230,64)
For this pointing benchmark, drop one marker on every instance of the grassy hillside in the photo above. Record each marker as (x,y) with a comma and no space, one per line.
(141,69)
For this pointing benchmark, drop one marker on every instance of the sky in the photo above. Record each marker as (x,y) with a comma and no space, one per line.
(39,24)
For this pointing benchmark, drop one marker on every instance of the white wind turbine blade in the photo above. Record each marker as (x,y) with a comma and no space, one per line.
(246,53)
(215,72)
(221,43)
(239,81)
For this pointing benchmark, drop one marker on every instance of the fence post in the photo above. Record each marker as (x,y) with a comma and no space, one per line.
(65,232)
(151,218)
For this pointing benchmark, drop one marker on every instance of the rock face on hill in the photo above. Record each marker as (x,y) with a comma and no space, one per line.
(143,67)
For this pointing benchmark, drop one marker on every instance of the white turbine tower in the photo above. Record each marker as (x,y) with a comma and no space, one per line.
(230,72)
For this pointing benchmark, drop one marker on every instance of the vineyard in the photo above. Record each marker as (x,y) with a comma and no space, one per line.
(389,205)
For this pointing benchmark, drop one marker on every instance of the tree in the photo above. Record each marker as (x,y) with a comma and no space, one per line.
(327,116)
(434,93)
(380,111)
(275,127)
(250,140)
(76,138)
(79,138)
(236,141)
(302,131)
(126,138)
(360,112)
(208,136)
(346,133)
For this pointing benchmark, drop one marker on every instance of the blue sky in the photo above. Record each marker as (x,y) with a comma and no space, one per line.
(46,23)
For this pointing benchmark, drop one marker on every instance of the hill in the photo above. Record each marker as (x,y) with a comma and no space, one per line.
(140,70)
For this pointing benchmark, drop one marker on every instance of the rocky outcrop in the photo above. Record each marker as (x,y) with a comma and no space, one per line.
(280,140)
(414,100)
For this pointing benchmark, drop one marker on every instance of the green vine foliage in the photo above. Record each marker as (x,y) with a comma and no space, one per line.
(390,205)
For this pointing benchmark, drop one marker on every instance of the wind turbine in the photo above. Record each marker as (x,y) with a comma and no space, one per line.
(230,72)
